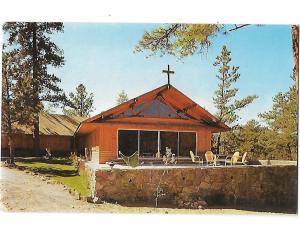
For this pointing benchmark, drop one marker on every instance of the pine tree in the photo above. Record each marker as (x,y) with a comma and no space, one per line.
(252,140)
(80,102)
(282,121)
(9,115)
(295,45)
(277,139)
(51,108)
(122,97)
(37,52)
(225,96)
(180,40)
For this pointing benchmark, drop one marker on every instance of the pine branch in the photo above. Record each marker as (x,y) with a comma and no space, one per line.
(237,26)
(166,36)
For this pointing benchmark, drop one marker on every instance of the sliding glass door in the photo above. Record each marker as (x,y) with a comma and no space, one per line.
(187,143)
(127,141)
(169,140)
(148,143)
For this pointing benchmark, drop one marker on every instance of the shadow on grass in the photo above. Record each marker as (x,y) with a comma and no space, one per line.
(42,160)
(48,171)
(55,172)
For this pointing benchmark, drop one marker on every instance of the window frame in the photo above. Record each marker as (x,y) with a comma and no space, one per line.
(158,138)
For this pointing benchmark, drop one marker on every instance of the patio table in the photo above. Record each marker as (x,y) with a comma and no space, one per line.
(222,158)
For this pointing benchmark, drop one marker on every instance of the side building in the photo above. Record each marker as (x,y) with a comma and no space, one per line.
(56,133)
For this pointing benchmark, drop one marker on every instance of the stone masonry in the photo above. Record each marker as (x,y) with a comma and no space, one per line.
(259,186)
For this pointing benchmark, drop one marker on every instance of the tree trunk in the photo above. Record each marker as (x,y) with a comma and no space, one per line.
(295,43)
(36,137)
(11,149)
(81,108)
(10,140)
(9,121)
(219,143)
(290,156)
(36,130)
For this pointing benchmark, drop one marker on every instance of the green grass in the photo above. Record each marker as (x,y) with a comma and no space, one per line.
(60,170)
(79,183)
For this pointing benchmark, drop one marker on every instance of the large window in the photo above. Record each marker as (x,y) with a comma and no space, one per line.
(187,143)
(148,143)
(170,140)
(128,141)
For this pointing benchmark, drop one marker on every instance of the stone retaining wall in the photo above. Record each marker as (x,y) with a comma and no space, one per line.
(278,162)
(259,186)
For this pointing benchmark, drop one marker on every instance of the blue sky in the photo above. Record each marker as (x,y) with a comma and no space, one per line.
(101,57)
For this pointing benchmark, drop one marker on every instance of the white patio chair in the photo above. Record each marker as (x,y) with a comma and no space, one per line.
(196,159)
(243,161)
(233,159)
(210,158)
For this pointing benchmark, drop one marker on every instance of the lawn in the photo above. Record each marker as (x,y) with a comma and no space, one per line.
(60,170)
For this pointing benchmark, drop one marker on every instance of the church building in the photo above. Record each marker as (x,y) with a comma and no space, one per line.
(150,123)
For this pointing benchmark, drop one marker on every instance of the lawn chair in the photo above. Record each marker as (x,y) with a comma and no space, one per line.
(210,158)
(196,159)
(244,161)
(48,154)
(233,160)
(132,161)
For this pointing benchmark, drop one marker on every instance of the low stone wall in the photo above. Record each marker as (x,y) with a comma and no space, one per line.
(278,162)
(258,186)
(85,167)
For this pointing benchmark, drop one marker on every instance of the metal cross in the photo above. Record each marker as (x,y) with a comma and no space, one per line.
(168,72)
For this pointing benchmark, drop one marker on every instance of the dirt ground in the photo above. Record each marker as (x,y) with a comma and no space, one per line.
(24,192)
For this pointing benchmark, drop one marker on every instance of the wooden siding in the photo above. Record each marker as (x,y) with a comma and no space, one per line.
(203,140)
(92,139)
(106,137)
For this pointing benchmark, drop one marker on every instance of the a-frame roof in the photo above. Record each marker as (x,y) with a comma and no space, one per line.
(165,102)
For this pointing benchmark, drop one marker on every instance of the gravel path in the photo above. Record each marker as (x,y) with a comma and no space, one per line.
(22,191)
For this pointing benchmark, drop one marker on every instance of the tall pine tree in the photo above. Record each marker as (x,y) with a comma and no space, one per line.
(80,103)
(122,97)
(295,45)
(9,115)
(37,52)
(225,96)
(282,121)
